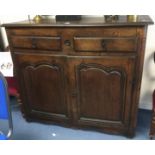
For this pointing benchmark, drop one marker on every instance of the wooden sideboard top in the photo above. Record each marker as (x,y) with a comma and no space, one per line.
(89,21)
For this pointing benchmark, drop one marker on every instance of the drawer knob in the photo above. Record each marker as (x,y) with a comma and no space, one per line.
(67,42)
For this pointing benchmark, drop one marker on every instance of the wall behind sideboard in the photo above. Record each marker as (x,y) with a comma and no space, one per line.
(148,80)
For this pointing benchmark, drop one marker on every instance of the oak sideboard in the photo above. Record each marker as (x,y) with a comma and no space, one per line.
(84,74)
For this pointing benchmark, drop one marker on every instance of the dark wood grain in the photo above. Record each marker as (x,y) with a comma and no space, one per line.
(102,91)
(39,43)
(85,74)
(96,44)
(43,83)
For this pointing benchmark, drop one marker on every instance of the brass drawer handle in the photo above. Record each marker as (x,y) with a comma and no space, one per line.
(67,42)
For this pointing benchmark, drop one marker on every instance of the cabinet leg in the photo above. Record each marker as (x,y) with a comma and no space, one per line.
(130,133)
(151,137)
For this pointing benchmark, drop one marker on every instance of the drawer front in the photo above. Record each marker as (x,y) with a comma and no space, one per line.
(103,44)
(74,39)
(46,32)
(40,43)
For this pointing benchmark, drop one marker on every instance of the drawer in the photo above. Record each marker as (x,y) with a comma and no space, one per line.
(46,32)
(101,44)
(33,42)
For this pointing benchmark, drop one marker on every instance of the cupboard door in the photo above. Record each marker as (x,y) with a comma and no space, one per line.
(102,91)
(42,85)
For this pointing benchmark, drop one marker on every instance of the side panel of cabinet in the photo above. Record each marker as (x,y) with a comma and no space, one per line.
(102,90)
(42,81)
